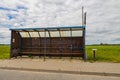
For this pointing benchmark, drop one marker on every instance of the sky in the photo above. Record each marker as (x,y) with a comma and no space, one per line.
(103,17)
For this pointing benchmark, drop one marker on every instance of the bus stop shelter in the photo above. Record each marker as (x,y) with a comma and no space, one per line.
(61,42)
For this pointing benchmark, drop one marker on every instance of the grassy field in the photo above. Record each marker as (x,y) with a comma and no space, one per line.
(4,51)
(105,53)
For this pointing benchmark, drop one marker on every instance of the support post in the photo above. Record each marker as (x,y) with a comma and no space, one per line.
(39,43)
(20,44)
(84,34)
(50,43)
(94,54)
(30,42)
(60,48)
(71,41)
(45,45)
(84,48)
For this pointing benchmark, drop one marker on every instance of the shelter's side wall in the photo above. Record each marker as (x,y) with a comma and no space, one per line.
(15,43)
(15,39)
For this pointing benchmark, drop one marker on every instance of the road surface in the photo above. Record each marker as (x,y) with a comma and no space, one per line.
(29,75)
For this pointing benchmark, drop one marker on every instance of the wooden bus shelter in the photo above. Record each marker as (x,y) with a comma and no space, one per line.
(53,41)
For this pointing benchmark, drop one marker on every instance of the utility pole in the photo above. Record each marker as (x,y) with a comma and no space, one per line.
(82,15)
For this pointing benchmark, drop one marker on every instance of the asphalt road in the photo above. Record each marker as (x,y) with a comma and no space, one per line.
(29,75)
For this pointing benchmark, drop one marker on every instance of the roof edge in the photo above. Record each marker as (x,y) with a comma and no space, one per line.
(59,27)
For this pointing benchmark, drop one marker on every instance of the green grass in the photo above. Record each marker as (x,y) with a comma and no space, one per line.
(105,53)
(4,51)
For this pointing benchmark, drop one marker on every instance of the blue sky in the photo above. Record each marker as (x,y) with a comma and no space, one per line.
(103,17)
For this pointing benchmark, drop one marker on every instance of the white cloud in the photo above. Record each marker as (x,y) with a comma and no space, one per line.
(4,35)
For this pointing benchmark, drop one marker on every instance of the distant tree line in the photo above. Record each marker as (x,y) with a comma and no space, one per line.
(4,44)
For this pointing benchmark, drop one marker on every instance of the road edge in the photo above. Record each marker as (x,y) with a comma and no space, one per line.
(61,71)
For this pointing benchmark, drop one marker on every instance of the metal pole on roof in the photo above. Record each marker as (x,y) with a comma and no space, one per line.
(85,18)
(82,15)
